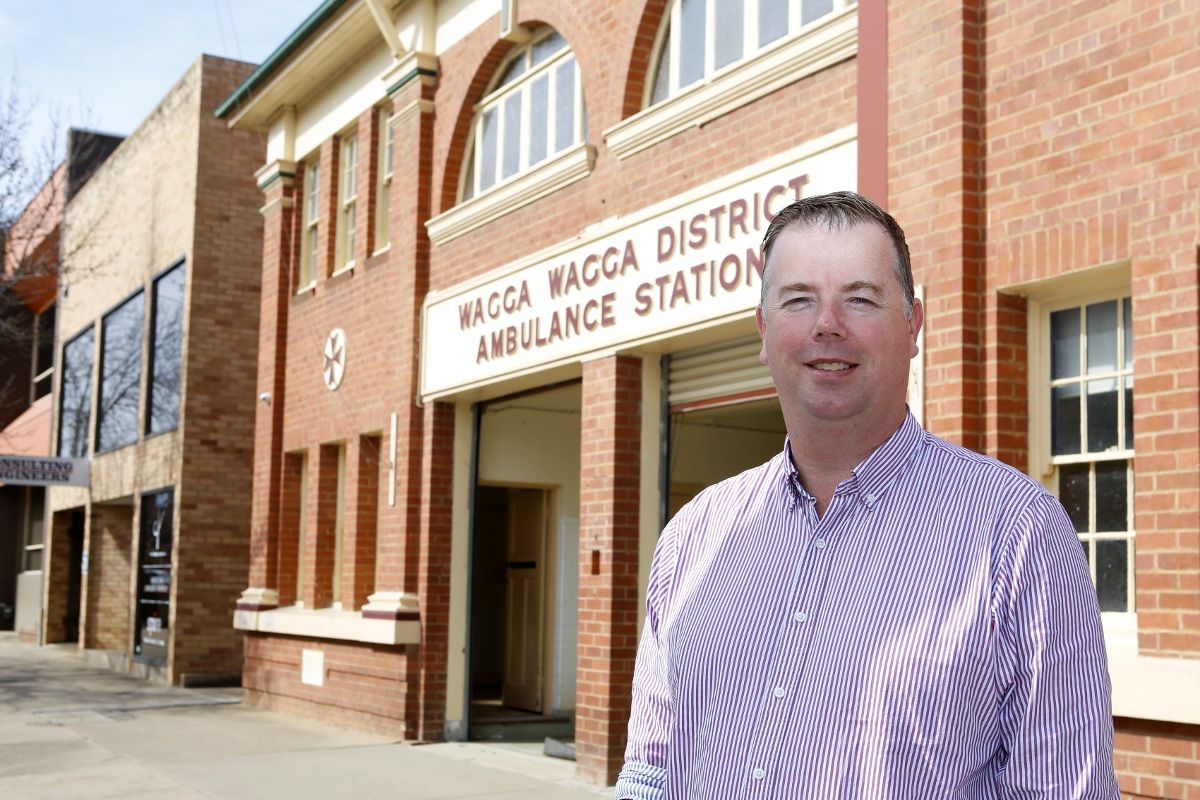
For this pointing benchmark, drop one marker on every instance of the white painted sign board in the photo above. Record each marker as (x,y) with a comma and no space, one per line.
(687,263)
(43,471)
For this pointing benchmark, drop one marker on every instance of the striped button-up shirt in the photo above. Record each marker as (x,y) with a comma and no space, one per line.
(935,634)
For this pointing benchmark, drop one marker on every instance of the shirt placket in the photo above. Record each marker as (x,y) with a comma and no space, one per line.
(802,612)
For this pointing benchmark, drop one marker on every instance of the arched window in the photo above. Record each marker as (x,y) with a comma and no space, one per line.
(701,37)
(533,110)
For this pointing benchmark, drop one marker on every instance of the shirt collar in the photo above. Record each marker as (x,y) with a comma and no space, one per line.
(876,473)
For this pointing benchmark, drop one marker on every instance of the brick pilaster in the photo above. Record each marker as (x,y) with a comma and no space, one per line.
(278,269)
(608,551)
(398,567)
(935,187)
(329,204)
(433,568)
(362,509)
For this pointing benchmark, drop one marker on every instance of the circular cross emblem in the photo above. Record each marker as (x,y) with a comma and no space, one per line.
(334,359)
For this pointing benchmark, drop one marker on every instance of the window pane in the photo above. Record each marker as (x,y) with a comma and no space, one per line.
(388,137)
(772,20)
(313,181)
(1112,574)
(1127,312)
(45,341)
(487,171)
(1102,415)
(512,135)
(692,42)
(729,23)
(814,9)
(513,71)
(548,47)
(76,396)
(121,372)
(1128,412)
(1073,494)
(564,105)
(37,508)
(1064,419)
(1102,337)
(349,167)
(539,118)
(1064,343)
(165,355)
(662,73)
(1111,496)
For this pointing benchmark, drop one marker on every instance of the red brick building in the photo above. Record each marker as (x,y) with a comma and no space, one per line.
(509,270)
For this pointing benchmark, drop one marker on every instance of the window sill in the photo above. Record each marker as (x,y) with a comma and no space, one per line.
(342,270)
(826,44)
(1147,686)
(311,287)
(562,170)
(328,623)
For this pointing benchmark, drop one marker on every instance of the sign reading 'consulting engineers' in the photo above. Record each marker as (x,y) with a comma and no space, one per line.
(43,471)
(691,261)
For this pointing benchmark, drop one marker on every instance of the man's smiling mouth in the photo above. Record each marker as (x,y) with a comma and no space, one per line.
(831,366)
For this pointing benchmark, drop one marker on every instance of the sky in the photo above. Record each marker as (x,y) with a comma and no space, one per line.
(106,65)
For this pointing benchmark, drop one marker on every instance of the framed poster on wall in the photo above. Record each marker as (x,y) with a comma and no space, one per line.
(154,577)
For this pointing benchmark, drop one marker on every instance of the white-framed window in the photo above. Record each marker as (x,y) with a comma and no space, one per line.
(307,274)
(1088,388)
(34,544)
(347,200)
(383,191)
(700,38)
(533,110)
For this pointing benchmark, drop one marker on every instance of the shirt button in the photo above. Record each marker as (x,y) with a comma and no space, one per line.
(759,773)
(819,544)
(780,692)
(800,616)
(869,499)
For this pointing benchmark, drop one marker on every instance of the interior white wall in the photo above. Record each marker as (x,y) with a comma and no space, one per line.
(703,454)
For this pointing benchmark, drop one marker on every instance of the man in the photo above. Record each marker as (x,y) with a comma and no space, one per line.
(874,613)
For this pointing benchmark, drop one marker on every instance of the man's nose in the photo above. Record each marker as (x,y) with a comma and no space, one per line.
(829,321)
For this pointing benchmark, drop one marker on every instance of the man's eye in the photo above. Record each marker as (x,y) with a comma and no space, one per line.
(862,301)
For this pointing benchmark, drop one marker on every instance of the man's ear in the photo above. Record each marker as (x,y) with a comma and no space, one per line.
(762,333)
(914,324)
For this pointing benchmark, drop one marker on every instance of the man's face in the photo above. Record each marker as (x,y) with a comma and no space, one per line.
(833,328)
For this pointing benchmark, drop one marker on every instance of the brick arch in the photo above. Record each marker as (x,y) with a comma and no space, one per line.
(573,28)
(641,51)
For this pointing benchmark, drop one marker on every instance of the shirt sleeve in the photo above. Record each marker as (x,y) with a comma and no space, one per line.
(644,775)
(1055,714)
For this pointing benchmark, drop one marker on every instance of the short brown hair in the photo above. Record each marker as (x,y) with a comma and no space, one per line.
(838,211)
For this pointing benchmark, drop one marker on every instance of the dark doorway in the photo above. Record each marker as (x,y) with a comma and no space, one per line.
(74,576)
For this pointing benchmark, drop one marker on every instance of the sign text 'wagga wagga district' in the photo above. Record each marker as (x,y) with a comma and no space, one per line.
(695,259)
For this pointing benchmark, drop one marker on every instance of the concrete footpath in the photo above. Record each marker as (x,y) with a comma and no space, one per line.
(68,730)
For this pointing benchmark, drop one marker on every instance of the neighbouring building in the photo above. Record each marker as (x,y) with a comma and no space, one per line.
(27,293)
(154,382)
(510,262)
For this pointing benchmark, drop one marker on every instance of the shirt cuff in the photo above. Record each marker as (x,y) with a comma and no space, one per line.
(639,781)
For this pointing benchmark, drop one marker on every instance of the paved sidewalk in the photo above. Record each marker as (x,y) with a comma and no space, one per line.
(68,730)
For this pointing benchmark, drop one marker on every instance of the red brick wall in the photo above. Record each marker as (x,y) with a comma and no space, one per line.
(1157,760)
(1093,158)
(610,474)
(366,686)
